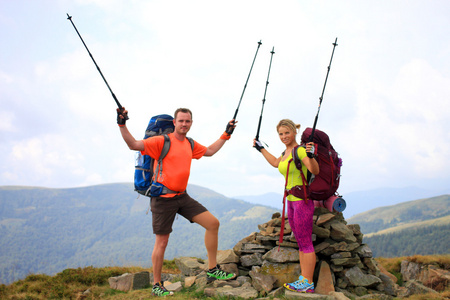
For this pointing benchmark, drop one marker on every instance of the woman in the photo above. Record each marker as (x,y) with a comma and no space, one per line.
(300,211)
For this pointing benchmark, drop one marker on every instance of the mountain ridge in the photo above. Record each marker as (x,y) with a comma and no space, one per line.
(46,230)
(433,222)
(357,201)
(408,228)
(389,216)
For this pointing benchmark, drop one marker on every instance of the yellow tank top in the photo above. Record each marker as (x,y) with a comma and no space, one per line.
(294,176)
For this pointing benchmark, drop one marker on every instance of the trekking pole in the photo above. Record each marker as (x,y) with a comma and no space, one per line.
(265,91)
(242,95)
(311,137)
(114,96)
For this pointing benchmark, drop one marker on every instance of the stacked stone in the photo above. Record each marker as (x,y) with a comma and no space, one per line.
(344,263)
(345,267)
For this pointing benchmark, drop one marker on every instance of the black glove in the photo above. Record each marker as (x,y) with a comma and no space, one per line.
(312,152)
(120,112)
(230,127)
(258,145)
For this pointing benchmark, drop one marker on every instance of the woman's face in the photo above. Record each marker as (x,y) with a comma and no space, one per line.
(287,136)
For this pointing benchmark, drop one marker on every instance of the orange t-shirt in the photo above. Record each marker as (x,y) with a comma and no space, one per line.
(177,163)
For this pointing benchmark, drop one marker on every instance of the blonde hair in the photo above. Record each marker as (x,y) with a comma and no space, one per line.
(289,124)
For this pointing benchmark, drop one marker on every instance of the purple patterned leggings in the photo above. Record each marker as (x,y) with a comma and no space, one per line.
(300,216)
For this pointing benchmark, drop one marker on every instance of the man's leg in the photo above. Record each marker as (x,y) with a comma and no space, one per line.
(211,224)
(158,255)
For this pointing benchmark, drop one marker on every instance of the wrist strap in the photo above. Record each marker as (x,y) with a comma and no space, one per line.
(225,136)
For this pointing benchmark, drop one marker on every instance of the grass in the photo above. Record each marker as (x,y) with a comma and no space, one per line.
(442,261)
(393,266)
(73,283)
(440,296)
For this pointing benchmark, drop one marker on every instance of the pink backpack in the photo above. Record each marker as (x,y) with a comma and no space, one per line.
(321,186)
(326,183)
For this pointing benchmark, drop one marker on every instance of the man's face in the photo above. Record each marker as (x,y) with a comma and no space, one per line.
(182,123)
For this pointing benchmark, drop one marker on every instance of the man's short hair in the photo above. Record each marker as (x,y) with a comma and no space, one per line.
(183,110)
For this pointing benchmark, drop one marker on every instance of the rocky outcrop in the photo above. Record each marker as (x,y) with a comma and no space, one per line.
(127,282)
(345,266)
(430,276)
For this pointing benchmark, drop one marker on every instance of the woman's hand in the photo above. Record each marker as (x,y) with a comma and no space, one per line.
(258,145)
(310,150)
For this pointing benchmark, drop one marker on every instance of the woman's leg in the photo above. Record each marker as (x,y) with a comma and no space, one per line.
(302,228)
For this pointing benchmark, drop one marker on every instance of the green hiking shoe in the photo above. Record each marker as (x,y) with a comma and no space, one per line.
(217,274)
(159,290)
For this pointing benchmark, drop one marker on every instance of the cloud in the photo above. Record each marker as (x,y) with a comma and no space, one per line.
(7,118)
(385,106)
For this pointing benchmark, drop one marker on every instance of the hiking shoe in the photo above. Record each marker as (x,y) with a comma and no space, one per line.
(159,290)
(217,274)
(301,285)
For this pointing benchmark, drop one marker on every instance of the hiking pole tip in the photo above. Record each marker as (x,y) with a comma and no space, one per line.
(248,77)
(335,42)
(69,17)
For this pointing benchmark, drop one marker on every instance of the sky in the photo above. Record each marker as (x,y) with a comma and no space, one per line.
(385,106)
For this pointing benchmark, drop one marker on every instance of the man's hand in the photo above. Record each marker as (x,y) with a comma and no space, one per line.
(122,116)
(230,127)
(229,130)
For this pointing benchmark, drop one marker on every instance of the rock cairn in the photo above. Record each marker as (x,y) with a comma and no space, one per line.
(345,266)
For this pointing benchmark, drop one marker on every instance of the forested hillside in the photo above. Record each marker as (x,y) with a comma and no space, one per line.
(422,240)
(381,218)
(409,228)
(49,230)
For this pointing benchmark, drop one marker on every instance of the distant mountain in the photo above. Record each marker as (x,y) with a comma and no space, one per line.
(361,201)
(48,230)
(357,202)
(274,200)
(409,228)
(385,217)
(443,221)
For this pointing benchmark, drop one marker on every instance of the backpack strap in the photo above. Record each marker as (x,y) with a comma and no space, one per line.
(159,166)
(298,164)
(280,240)
(286,193)
(164,151)
(191,141)
(305,181)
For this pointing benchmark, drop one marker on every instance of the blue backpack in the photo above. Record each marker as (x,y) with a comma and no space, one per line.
(144,178)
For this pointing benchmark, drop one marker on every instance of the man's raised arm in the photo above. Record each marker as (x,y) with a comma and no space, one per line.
(214,147)
(132,143)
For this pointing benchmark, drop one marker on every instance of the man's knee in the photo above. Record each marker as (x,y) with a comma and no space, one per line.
(161,241)
(215,224)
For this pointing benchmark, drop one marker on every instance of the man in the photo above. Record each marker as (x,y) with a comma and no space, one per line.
(175,177)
